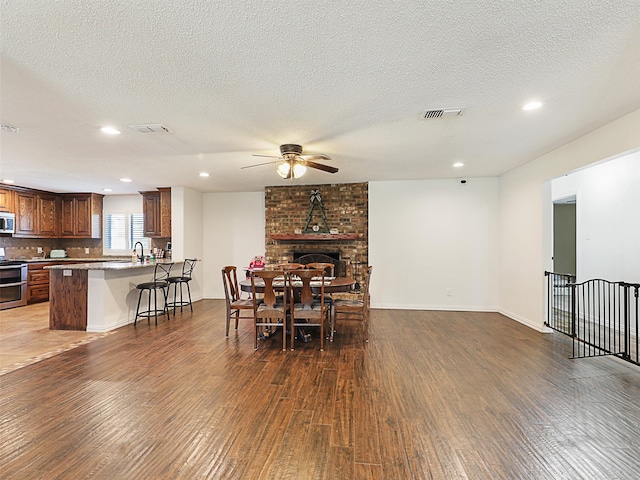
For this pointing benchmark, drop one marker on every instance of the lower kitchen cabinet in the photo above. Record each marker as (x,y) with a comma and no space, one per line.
(38,282)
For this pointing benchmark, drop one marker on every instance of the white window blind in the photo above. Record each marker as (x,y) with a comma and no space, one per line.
(115,231)
(136,230)
(122,231)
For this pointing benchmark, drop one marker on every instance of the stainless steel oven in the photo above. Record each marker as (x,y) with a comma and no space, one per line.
(13,284)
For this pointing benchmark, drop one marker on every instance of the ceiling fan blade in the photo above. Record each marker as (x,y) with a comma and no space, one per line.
(320,166)
(320,156)
(268,156)
(259,164)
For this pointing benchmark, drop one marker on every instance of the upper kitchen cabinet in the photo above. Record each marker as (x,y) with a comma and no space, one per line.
(156,207)
(26,214)
(6,200)
(48,214)
(81,215)
(36,214)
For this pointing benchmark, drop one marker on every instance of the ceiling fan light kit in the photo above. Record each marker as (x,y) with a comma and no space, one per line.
(292,164)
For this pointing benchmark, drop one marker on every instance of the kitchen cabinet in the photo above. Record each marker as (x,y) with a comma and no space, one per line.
(36,214)
(48,214)
(81,215)
(26,214)
(38,282)
(156,207)
(6,200)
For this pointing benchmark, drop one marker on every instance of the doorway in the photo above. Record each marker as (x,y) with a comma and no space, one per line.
(564,235)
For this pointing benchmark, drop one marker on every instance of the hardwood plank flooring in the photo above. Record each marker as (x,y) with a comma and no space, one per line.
(433,395)
(25,337)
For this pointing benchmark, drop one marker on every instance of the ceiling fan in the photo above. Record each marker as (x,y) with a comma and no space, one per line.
(292,164)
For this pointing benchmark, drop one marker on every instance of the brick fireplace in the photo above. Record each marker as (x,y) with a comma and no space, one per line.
(346,208)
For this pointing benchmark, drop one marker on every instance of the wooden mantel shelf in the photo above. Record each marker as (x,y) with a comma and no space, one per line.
(310,237)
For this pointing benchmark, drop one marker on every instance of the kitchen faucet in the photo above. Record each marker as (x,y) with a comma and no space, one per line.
(135,249)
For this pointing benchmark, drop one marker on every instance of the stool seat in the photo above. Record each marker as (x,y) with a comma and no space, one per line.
(184,279)
(160,282)
(147,285)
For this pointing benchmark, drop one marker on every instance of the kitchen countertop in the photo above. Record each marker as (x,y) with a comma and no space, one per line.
(107,265)
(71,259)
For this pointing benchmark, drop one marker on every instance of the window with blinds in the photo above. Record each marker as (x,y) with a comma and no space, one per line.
(122,231)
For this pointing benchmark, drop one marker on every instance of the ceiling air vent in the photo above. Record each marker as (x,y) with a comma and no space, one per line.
(441,112)
(150,128)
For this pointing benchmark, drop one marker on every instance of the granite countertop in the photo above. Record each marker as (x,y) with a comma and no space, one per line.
(73,259)
(107,265)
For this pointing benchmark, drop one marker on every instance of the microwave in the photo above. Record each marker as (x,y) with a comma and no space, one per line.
(7,222)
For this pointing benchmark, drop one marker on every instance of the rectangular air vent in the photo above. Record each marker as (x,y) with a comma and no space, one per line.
(150,128)
(441,112)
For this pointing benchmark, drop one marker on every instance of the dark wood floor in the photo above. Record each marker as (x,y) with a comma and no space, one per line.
(434,395)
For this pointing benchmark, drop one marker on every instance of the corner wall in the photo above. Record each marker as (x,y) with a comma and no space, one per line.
(525,215)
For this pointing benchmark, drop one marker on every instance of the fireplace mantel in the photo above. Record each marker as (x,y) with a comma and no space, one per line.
(314,237)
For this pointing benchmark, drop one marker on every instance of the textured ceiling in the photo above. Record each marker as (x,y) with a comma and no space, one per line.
(348,79)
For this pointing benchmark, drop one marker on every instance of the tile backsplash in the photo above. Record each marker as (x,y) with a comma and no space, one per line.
(25,248)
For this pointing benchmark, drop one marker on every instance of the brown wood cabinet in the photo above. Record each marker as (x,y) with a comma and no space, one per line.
(156,207)
(38,282)
(6,200)
(41,214)
(48,214)
(26,214)
(37,214)
(81,215)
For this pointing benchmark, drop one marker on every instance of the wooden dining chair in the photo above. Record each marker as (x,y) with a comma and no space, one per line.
(311,310)
(354,309)
(328,268)
(290,266)
(232,296)
(271,311)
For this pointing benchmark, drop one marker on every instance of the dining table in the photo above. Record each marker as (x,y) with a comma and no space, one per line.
(331,285)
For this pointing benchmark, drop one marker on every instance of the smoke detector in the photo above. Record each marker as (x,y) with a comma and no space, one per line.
(441,113)
(150,128)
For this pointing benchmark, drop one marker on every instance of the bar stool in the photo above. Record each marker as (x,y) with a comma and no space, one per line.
(184,279)
(160,276)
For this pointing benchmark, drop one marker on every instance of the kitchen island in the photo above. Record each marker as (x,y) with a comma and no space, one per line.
(96,296)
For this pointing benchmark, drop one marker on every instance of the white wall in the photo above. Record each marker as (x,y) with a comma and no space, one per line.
(429,237)
(233,232)
(525,215)
(607,217)
(187,233)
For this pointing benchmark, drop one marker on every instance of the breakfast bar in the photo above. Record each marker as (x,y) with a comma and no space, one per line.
(95,297)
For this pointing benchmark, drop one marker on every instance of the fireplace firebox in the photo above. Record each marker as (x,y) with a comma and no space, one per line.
(325,257)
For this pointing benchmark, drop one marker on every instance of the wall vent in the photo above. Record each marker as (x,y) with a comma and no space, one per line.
(150,128)
(440,113)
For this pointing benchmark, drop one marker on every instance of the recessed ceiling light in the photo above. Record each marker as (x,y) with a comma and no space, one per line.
(8,181)
(458,164)
(203,174)
(532,105)
(110,130)
(126,180)
(107,190)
